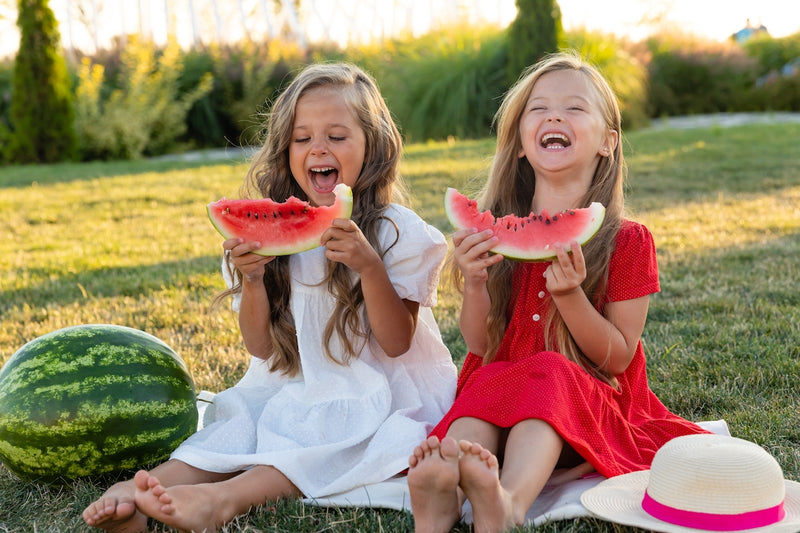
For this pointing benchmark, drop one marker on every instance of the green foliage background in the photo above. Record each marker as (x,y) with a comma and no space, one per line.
(136,100)
(534,32)
(41,116)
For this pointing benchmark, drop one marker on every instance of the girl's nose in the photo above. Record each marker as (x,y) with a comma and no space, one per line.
(554,118)
(319,148)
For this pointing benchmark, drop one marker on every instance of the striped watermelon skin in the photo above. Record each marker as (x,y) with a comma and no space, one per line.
(93,399)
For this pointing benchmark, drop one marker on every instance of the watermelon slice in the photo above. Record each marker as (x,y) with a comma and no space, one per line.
(283,228)
(530,238)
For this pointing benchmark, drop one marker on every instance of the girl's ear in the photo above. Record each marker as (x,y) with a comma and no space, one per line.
(610,143)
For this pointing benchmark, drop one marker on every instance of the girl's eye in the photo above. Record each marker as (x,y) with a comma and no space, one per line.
(301,139)
(336,138)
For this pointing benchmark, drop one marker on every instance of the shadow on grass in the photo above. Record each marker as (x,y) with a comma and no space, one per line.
(134,281)
(26,175)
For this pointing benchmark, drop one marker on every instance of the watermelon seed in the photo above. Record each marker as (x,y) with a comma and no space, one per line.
(255,215)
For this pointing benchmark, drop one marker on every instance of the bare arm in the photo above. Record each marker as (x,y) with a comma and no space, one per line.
(609,341)
(472,257)
(391,319)
(254,308)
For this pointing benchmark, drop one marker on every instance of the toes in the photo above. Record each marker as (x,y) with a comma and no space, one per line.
(430,445)
(472,448)
(141,479)
(449,448)
(153,482)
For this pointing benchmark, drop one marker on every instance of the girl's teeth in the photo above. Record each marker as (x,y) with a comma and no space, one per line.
(555,140)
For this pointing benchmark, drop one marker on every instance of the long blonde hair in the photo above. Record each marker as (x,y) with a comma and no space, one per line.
(375,188)
(510,189)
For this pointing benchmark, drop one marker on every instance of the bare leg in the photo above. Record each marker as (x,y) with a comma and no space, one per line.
(208,506)
(500,502)
(116,510)
(433,484)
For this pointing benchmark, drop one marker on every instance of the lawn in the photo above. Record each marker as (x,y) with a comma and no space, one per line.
(129,243)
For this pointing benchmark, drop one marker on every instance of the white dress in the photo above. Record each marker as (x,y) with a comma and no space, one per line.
(333,427)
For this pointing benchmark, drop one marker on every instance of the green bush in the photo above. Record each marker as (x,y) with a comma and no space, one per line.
(6,69)
(446,83)
(145,115)
(780,93)
(624,72)
(41,104)
(246,76)
(450,83)
(773,54)
(534,32)
(690,76)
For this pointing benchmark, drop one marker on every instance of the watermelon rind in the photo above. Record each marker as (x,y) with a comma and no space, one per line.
(93,399)
(531,238)
(283,228)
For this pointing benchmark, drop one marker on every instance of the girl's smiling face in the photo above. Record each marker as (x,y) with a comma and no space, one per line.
(562,127)
(327,146)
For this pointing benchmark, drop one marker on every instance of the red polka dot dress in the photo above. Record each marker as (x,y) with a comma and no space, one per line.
(616,430)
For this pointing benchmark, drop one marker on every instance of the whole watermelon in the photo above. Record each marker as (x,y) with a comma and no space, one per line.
(92,399)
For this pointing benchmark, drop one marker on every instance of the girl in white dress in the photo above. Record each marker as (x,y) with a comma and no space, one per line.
(348,371)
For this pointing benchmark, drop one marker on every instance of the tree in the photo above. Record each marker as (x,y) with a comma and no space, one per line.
(41,99)
(535,31)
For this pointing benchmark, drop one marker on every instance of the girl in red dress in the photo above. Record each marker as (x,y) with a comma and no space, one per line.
(555,376)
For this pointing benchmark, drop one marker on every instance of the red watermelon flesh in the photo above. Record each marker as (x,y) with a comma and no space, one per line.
(531,238)
(282,228)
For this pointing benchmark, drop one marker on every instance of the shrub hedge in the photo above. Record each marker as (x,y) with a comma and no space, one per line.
(446,83)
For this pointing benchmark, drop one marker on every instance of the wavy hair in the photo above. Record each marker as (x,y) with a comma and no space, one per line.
(376,187)
(511,186)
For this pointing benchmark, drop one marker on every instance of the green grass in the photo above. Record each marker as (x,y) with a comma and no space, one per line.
(129,243)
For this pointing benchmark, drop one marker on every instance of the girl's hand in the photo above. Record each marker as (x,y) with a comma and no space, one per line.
(249,264)
(567,271)
(346,244)
(472,255)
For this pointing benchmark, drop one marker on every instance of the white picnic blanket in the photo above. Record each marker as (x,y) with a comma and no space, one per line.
(556,501)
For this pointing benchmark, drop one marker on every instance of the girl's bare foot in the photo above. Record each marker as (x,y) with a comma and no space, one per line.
(184,507)
(433,484)
(492,511)
(116,511)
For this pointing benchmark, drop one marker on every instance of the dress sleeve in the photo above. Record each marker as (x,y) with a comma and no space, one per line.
(633,271)
(414,262)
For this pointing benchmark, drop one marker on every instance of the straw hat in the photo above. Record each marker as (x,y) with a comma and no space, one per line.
(702,483)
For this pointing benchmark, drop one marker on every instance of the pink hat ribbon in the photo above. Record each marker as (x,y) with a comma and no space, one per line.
(711,521)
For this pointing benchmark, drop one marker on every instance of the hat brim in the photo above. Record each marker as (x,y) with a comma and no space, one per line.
(619,500)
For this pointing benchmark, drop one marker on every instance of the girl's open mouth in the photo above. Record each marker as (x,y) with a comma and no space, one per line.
(554,141)
(323,179)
